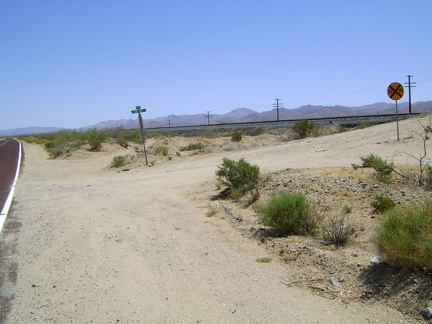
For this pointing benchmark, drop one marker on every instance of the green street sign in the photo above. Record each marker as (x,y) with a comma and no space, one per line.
(139,110)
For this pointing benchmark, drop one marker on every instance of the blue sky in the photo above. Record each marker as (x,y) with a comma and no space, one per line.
(73,63)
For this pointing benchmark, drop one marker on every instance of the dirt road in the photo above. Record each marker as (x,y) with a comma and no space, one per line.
(100,246)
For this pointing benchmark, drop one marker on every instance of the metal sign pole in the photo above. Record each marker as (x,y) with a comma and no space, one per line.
(397,121)
(138,111)
(142,136)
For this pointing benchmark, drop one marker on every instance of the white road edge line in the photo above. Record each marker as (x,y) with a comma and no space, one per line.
(8,202)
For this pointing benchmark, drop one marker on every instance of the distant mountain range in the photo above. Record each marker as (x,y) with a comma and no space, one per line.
(241,115)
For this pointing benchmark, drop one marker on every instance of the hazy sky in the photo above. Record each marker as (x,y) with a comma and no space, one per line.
(73,63)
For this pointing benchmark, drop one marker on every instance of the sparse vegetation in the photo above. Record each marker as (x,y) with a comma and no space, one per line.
(210,133)
(193,147)
(404,235)
(338,230)
(312,220)
(65,142)
(362,125)
(303,128)
(161,150)
(424,176)
(95,145)
(236,135)
(263,260)
(122,142)
(347,209)
(118,160)
(212,210)
(285,213)
(383,168)
(240,176)
(381,204)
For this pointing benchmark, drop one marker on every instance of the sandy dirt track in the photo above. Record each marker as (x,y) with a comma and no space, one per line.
(100,246)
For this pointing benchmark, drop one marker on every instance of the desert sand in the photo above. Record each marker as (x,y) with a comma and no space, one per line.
(97,245)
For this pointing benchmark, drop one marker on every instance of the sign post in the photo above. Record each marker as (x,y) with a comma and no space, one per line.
(138,111)
(395,91)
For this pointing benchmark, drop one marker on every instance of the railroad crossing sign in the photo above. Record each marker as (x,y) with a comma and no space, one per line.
(138,110)
(395,91)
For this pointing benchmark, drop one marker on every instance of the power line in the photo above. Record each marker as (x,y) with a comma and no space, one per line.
(410,85)
(208,117)
(276,105)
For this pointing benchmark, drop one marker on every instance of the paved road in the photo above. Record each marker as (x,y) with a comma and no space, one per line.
(9,153)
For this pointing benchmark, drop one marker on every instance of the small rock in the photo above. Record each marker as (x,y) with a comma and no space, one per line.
(375,260)
(427,313)
(335,282)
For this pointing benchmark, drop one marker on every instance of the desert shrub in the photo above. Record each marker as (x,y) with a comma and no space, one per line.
(404,235)
(238,175)
(209,133)
(236,135)
(312,220)
(161,150)
(381,204)
(342,129)
(428,178)
(303,128)
(264,260)
(54,150)
(285,212)
(212,210)
(347,209)
(94,134)
(122,142)
(193,147)
(338,230)
(118,160)
(254,131)
(363,125)
(132,135)
(383,168)
(95,144)
(371,160)
(59,143)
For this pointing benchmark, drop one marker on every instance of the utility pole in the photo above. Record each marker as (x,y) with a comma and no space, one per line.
(410,85)
(276,105)
(208,117)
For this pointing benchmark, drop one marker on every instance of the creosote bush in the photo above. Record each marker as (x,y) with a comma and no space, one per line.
(381,204)
(122,142)
(118,160)
(240,176)
(95,144)
(285,213)
(383,168)
(236,136)
(193,147)
(303,128)
(63,142)
(161,150)
(404,235)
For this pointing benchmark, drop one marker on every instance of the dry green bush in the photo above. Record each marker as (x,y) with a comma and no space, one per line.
(404,235)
